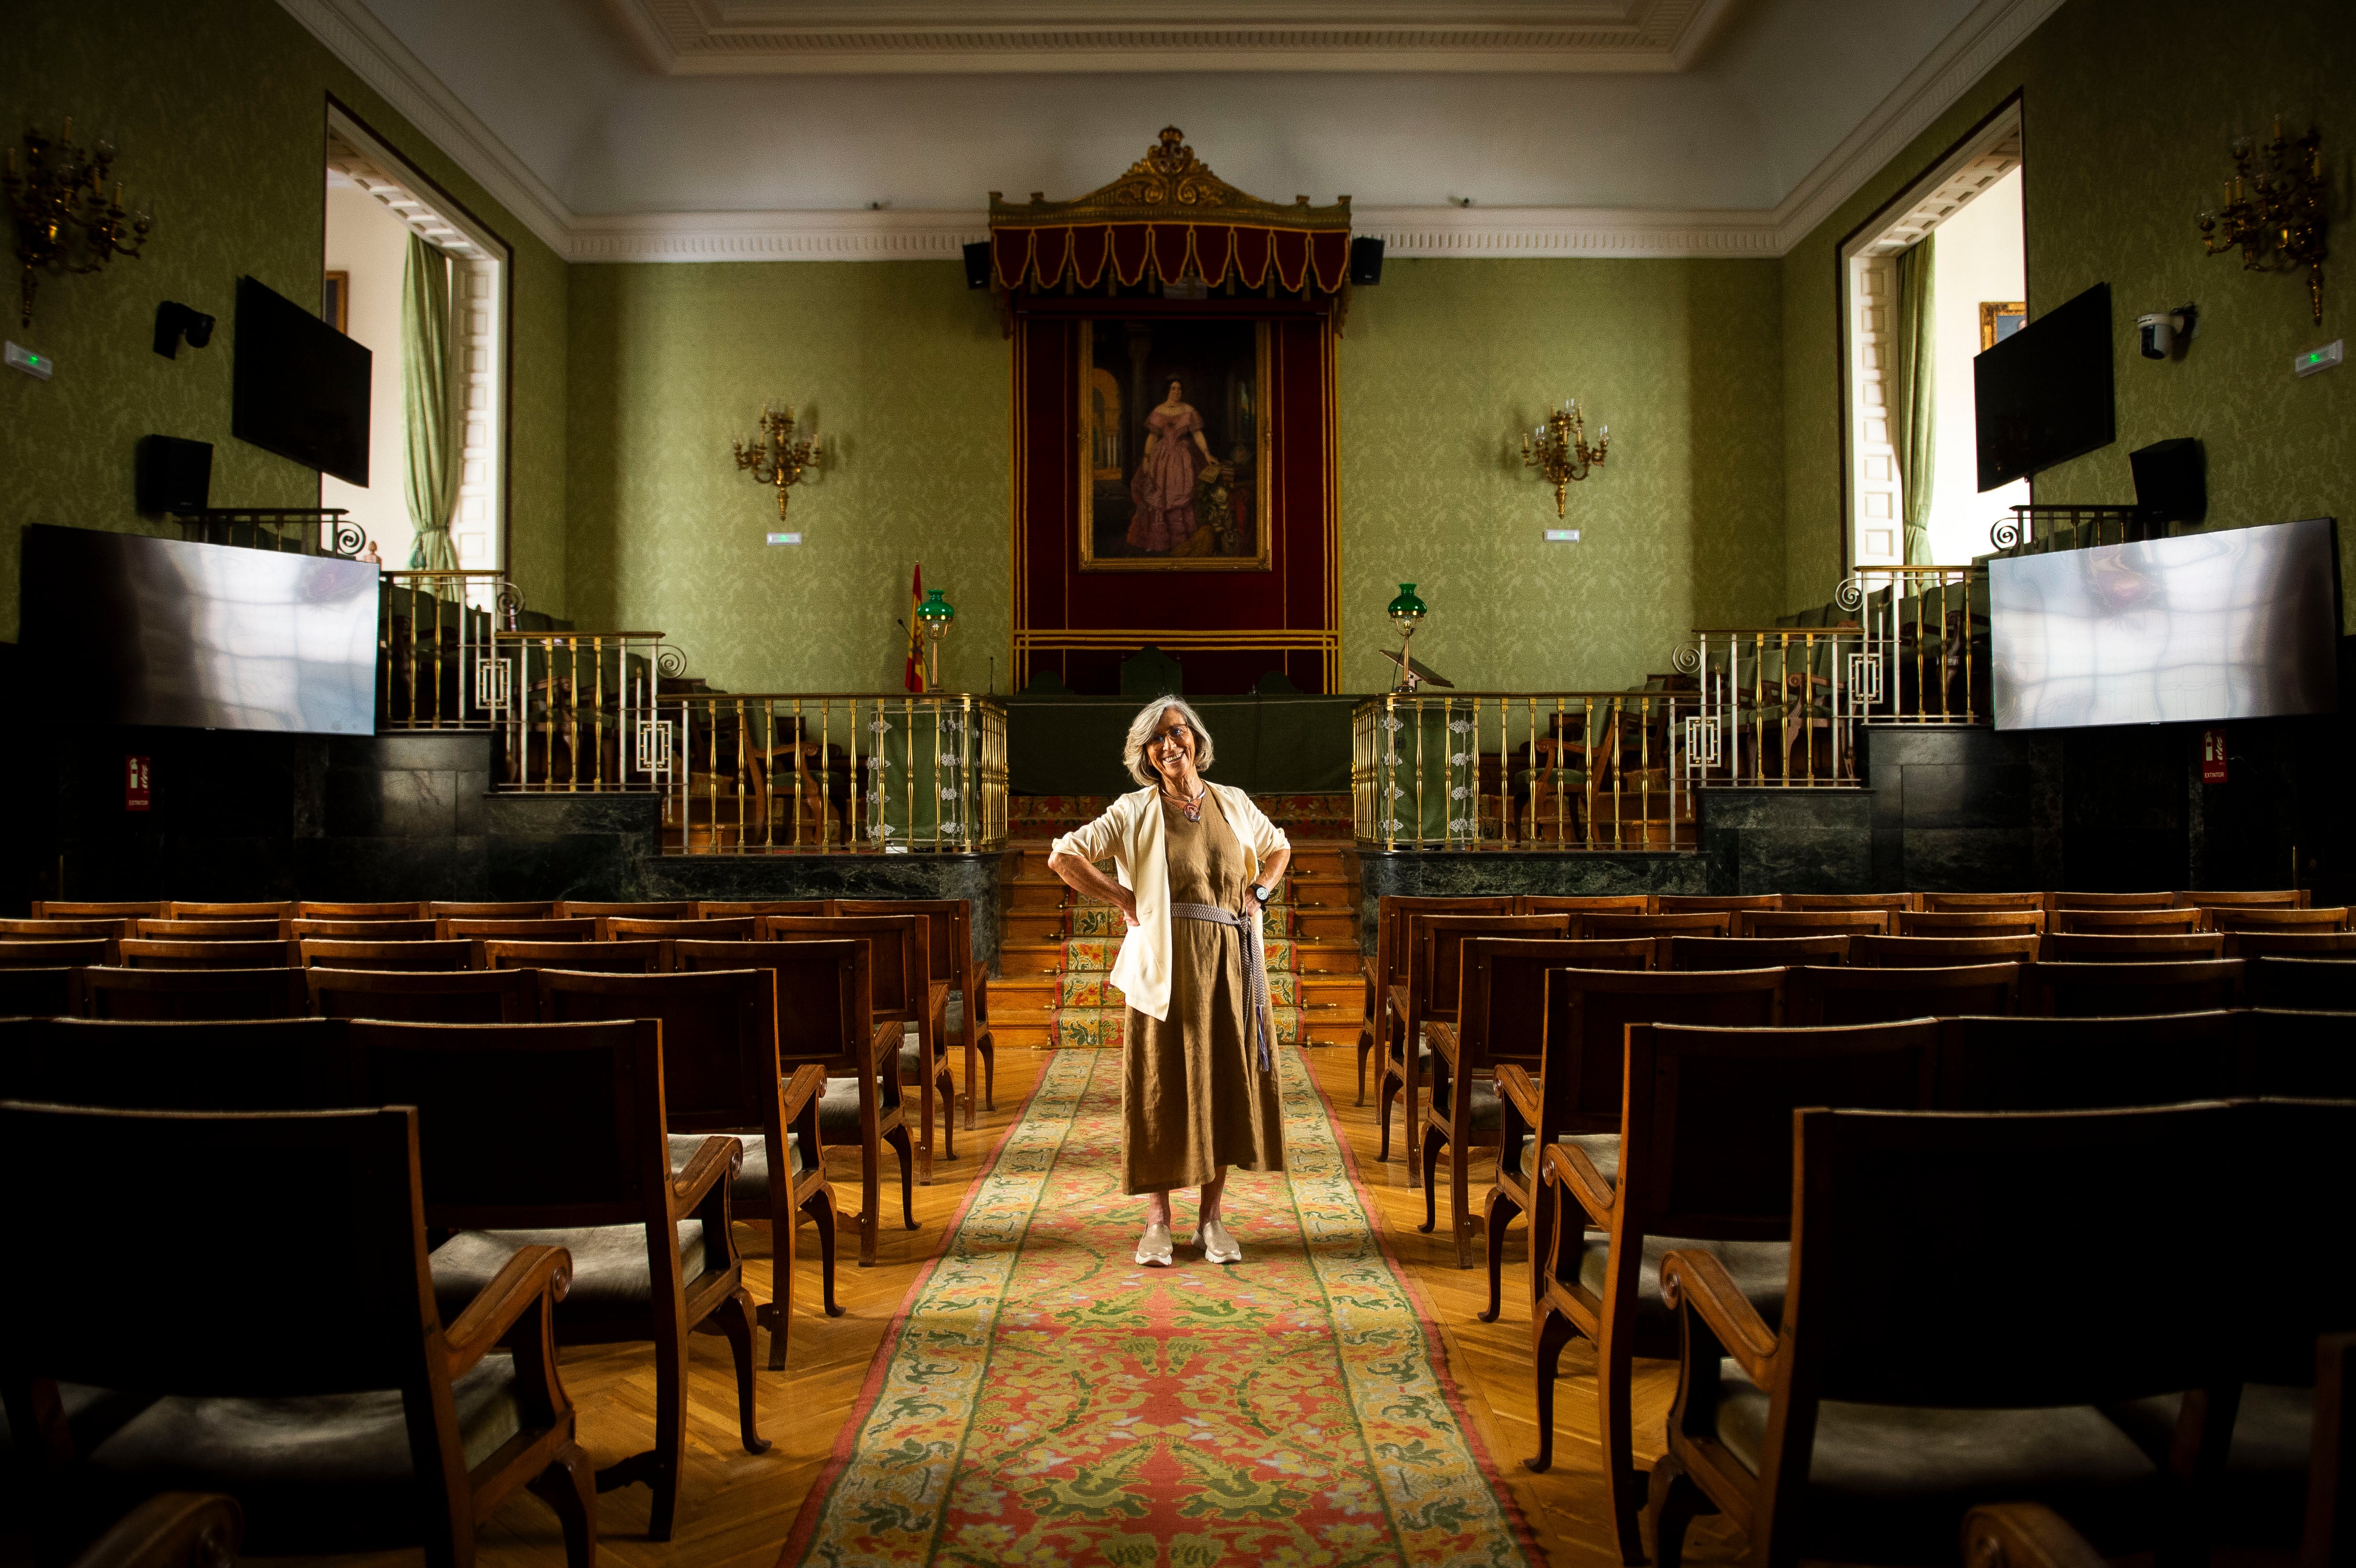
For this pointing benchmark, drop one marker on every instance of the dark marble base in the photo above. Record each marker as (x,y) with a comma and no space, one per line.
(1462,874)
(1786,840)
(1957,810)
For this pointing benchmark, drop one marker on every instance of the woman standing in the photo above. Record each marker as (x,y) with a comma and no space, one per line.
(1163,492)
(1197,864)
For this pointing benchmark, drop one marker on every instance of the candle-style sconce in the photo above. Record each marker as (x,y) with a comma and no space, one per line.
(1558,450)
(774,457)
(2273,215)
(65,221)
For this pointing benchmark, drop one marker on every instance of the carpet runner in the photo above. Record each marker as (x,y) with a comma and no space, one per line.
(1043,1399)
(1090,1012)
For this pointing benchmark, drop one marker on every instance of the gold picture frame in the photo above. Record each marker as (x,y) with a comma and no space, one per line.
(336,301)
(1999,319)
(1226,524)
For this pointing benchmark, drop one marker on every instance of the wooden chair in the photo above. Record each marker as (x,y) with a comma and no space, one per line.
(2056,902)
(1579,1094)
(524,909)
(2123,990)
(710,908)
(1812,923)
(1940,952)
(324,953)
(1972,922)
(138,954)
(1435,944)
(2120,921)
(2280,898)
(2221,917)
(365,930)
(73,909)
(364,1442)
(1705,1164)
(455,928)
(171,1529)
(653,1255)
(900,966)
(2295,1055)
(720,1075)
(1965,903)
(960,981)
(2132,947)
(314,909)
(1690,923)
(280,910)
(644,909)
(241,1064)
(2305,982)
(2080,1064)
(1598,903)
(110,931)
(424,997)
(1893,902)
(586,957)
(2289,943)
(1753,952)
(1387,979)
(193,993)
(1843,1433)
(221,930)
(70,953)
(825,1019)
(632,928)
(1691,903)
(1499,1017)
(1859,995)
(41,993)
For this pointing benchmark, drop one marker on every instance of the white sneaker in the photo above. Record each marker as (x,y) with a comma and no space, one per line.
(1154,1247)
(1218,1246)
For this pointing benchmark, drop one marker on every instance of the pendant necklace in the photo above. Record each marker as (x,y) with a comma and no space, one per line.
(1193,808)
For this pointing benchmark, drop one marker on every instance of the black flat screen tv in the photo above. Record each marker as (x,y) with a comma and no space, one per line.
(2044,395)
(301,388)
(2234,623)
(149,631)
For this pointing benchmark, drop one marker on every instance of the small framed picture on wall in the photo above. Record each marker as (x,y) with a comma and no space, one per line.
(336,302)
(1999,319)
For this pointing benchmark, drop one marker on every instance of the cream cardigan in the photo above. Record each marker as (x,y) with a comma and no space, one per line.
(1130,832)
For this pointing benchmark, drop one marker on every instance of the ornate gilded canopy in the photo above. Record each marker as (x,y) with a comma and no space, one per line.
(1172,213)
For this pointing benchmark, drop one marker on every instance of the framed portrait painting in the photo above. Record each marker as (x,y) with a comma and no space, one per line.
(1174,449)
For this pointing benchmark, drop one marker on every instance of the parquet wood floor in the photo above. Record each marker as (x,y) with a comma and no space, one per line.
(736,1509)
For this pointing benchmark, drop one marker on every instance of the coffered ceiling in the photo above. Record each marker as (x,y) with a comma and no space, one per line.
(686,38)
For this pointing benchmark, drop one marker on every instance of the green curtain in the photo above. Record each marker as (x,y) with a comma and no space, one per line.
(428,405)
(1913,395)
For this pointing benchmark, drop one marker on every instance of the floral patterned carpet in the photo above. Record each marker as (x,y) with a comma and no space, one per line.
(1041,1399)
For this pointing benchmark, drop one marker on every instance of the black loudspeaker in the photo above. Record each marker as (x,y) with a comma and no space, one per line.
(1365,260)
(977,264)
(2172,482)
(174,476)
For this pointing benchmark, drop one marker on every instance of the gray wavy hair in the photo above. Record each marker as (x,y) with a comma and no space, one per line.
(1140,735)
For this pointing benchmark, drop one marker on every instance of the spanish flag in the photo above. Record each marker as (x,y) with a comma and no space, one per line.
(915,678)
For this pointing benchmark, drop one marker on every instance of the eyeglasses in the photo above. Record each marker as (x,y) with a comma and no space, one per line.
(1167,738)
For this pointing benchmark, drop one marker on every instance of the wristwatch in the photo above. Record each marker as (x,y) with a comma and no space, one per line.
(1262,894)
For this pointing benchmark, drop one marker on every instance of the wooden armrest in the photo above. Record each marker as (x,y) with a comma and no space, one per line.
(937,999)
(1514,1082)
(532,1274)
(2025,1535)
(718,1156)
(171,1529)
(885,1048)
(808,1083)
(1399,1001)
(1442,1037)
(1568,1165)
(1698,1282)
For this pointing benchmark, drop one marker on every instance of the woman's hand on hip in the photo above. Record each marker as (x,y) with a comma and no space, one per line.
(1128,904)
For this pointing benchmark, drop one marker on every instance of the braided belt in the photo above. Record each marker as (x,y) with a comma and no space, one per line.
(1255,976)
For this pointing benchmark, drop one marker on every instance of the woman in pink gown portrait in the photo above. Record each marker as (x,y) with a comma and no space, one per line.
(1163,489)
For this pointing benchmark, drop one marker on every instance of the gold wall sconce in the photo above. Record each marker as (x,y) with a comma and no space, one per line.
(774,457)
(65,223)
(1558,450)
(2273,215)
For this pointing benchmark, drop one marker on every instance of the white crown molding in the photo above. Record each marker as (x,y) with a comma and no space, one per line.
(1410,232)
(855,236)
(1992,30)
(355,36)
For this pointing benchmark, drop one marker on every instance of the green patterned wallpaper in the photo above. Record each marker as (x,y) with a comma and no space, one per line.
(906,371)
(2127,106)
(1439,368)
(218,108)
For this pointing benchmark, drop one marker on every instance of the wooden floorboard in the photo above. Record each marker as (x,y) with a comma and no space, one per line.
(735,1509)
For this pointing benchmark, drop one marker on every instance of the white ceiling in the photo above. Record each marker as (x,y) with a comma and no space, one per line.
(1747,122)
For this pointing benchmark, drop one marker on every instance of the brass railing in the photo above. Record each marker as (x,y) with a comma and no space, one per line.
(1775,708)
(830,772)
(1562,771)
(2046,522)
(1926,655)
(436,666)
(574,711)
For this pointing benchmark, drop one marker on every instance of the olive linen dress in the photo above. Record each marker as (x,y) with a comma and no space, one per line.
(1193,1095)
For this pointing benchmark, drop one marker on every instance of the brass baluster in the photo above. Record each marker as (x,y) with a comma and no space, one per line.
(437,658)
(908,745)
(1418,771)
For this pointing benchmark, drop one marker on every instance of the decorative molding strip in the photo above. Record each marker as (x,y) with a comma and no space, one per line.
(1565,231)
(1992,30)
(856,236)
